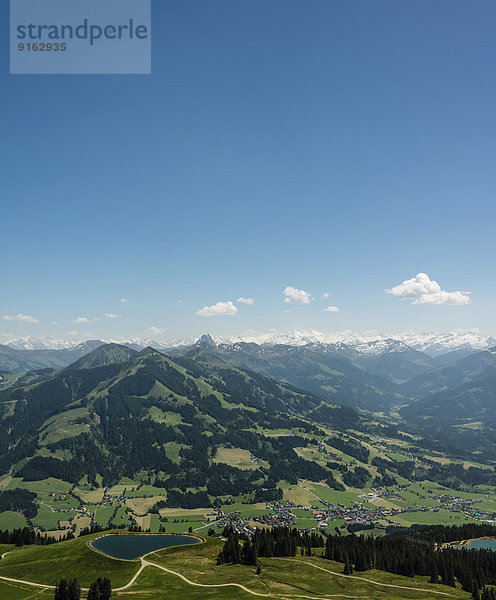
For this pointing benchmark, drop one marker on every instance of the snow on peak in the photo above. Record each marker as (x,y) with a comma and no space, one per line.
(439,343)
(42,343)
(372,342)
(383,346)
(369,342)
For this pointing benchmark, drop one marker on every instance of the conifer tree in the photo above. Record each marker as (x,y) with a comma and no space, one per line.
(61,590)
(105,587)
(74,590)
(94,592)
(361,562)
(434,574)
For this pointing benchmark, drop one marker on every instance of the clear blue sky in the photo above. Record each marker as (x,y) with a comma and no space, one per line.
(337,147)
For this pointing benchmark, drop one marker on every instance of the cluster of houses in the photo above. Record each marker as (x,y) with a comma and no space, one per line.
(357,514)
(280,517)
(83,510)
(465,506)
(236,522)
(379,516)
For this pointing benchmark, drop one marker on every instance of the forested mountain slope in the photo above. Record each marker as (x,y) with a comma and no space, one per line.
(151,413)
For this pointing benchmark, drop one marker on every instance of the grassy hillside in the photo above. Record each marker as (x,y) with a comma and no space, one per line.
(104,355)
(315,368)
(21,361)
(476,366)
(193,573)
(49,564)
(153,420)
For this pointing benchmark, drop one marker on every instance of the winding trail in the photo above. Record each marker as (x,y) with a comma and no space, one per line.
(203,585)
(390,585)
(281,596)
(31,583)
(144,563)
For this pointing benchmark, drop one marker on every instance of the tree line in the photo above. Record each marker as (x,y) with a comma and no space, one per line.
(278,541)
(101,589)
(28,537)
(403,553)
(19,500)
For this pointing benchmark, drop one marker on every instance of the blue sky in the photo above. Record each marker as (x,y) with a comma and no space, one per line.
(333,147)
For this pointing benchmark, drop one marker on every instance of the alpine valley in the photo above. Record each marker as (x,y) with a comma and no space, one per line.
(356,439)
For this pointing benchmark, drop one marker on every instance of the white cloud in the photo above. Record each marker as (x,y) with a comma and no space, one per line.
(112,316)
(84,320)
(54,323)
(297,296)
(325,296)
(423,290)
(72,332)
(242,300)
(331,309)
(155,330)
(22,318)
(221,308)
(123,300)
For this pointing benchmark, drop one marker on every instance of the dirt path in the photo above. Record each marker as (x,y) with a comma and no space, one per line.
(31,583)
(239,585)
(146,563)
(390,585)
(205,585)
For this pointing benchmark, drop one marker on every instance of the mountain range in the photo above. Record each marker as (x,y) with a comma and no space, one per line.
(118,412)
(375,375)
(15,360)
(115,411)
(431,343)
(380,376)
(324,370)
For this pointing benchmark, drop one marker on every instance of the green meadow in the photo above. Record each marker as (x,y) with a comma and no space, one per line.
(279,578)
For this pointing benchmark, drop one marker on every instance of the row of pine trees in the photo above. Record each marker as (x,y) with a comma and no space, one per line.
(400,554)
(101,589)
(278,541)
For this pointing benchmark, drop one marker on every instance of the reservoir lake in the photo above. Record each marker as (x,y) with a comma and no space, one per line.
(481,545)
(131,547)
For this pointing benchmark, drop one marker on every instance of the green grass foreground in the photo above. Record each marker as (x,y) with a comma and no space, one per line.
(299,577)
(74,558)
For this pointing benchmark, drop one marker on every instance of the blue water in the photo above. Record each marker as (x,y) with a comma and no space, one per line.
(130,547)
(481,545)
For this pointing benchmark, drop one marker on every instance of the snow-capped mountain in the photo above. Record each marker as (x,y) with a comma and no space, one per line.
(379,347)
(376,343)
(52,344)
(439,343)
(42,343)
(302,337)
(371,343)
(49,343)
